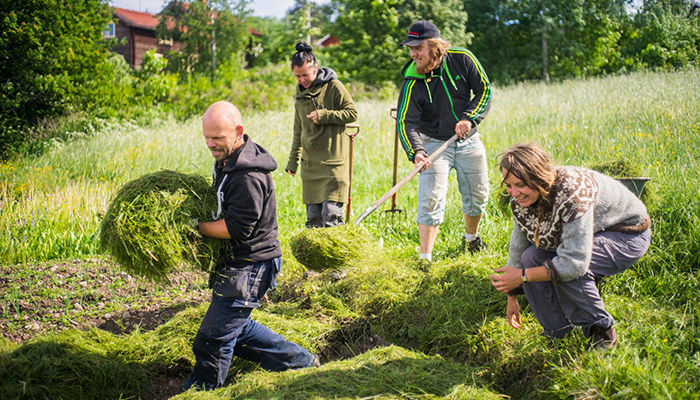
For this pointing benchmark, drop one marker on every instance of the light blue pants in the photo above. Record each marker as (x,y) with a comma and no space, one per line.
(468,159)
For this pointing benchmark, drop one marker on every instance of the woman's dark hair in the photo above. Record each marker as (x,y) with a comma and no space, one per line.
(303,56)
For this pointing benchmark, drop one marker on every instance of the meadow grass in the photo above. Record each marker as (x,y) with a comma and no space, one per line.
(447,326)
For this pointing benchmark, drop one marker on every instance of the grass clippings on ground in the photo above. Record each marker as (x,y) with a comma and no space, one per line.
(333,248)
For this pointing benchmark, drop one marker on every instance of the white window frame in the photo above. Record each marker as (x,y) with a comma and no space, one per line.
(109,31)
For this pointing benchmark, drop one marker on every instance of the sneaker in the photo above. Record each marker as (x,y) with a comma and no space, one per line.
(474,246)
(424,265)
(602,339)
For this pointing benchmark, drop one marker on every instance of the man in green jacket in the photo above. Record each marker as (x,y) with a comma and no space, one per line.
(445,92)
(322,108)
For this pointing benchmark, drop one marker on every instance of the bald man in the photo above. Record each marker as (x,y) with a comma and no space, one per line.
(247,216)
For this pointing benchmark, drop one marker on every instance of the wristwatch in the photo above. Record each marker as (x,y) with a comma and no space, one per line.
(524,276)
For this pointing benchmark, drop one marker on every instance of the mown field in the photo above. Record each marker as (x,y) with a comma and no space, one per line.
(387,330)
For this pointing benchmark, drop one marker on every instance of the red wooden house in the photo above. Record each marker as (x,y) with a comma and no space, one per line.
(139,30)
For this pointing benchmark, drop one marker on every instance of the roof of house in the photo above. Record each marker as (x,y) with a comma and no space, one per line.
(328,40)
(149,21)
(137,19)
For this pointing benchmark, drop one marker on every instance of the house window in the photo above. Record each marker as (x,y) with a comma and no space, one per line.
(108,32)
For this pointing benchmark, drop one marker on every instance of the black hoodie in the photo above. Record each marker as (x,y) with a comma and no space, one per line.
(247,196)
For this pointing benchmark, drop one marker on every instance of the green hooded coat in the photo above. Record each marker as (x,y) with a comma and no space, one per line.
(323,148)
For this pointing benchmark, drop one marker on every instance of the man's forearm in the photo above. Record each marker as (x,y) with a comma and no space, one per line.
(216,229)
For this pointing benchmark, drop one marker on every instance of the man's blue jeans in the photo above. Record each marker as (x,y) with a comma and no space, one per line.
(228,330)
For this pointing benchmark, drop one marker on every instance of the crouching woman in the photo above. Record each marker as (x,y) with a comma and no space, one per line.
(571,226)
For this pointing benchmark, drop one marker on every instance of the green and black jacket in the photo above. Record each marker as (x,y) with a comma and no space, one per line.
(432,104)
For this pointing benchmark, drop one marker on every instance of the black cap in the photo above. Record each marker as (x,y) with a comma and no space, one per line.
(420,31)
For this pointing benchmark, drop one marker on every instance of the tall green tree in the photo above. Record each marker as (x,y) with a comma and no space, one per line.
(662,35)
(279,36)
(583,36)
(370,31)
(321,14)
(537,39)
(49,51)
(209,32)
(676,7)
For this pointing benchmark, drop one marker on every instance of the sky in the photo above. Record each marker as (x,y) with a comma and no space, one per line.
(261,8)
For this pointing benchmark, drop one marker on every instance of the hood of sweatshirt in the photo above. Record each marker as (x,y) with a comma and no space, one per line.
(249,156)
(324,76)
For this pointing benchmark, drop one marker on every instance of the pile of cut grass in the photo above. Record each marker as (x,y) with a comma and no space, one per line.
(330,248)
(147,228)
(389,372)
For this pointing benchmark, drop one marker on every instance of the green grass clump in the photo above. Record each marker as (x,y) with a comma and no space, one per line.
(382,373)
(618,168)
(146,228)
(330,248)
(72,365)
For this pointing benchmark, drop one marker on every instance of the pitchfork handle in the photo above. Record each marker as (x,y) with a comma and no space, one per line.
(352,142)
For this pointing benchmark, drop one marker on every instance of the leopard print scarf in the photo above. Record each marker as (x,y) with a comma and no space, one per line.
(572,195)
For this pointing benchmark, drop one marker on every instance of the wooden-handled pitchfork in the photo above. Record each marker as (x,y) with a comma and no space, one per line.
(407,178)
(352,142)
(393,210)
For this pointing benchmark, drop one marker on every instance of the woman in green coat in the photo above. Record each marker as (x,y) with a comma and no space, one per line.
(322,108)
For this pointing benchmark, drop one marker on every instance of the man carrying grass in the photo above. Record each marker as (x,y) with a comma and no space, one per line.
(247,216)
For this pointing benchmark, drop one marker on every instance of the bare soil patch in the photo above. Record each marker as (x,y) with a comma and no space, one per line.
(47,298)
(352,338)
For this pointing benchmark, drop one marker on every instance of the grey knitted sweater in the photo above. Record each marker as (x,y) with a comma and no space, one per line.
(581,203)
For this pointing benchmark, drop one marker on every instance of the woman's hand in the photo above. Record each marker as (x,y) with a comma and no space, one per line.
(509,280)
(513,312)
(313,116)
